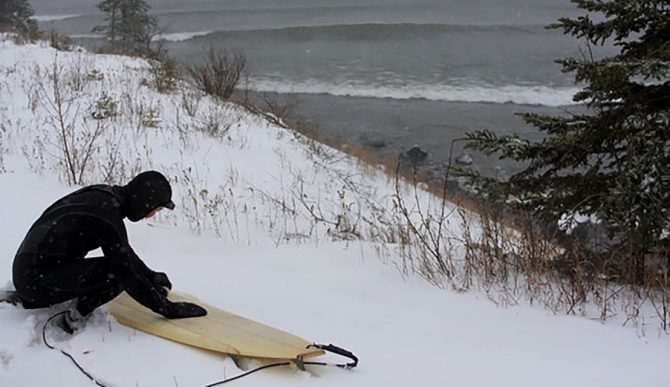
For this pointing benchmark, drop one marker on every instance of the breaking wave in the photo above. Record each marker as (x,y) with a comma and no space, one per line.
(48,18)
(517,94)
(181,36)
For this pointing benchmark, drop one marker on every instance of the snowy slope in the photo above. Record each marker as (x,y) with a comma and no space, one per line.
(243,238)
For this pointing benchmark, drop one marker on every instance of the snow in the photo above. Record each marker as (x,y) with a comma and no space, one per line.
(240,239)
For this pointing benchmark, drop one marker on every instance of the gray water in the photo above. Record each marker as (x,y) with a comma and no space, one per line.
(390,74)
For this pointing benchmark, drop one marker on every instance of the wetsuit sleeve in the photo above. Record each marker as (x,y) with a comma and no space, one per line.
(131,272)
(144,268)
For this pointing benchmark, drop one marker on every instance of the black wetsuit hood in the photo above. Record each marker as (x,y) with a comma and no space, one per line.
(146,192)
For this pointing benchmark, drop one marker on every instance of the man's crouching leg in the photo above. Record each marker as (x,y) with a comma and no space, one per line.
(75,319)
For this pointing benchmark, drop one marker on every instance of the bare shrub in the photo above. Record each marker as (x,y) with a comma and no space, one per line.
(190,101)
(276,110)
(164,71)
(139,112)
(30,35)
(60,41)
(427,227)
(77,75)
(58,93)
(212,123)
(515,258)
(219,74)
(113,167)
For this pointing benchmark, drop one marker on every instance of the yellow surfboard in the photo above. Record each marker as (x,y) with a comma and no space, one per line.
(219,331)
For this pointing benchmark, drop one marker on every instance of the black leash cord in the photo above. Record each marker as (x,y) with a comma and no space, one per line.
(286,363)
(44,338)
(329,348)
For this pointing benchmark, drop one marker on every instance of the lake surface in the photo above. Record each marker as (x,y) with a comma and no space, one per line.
(390,74)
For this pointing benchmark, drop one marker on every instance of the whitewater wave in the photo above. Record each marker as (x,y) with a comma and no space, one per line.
(181,36)
(517,94)
(87,36)
(48,18)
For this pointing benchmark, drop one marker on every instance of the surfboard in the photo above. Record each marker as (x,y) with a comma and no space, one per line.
(220,331)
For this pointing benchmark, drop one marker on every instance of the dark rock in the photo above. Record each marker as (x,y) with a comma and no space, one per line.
(416,155)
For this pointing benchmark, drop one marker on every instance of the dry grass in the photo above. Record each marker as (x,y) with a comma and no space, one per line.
(508,254)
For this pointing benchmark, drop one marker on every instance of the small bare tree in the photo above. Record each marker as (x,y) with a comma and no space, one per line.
(219,74)
(76,141)
(163,69)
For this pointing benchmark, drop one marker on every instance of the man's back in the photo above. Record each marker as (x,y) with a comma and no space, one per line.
(74,225)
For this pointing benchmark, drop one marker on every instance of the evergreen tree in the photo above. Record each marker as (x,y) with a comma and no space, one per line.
(128,25)
(15,15)
(613,161)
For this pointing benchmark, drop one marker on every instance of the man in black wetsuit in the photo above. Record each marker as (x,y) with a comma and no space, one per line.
(50,266)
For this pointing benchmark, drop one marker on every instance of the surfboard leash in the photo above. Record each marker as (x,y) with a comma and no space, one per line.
(336,350)
(44,339)
(328,348)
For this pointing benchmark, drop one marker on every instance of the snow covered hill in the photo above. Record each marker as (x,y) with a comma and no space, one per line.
(269,225)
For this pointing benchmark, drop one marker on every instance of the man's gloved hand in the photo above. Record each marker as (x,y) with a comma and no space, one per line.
(184,310)
(162,283)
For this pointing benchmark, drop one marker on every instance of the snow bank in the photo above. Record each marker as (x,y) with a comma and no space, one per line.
(244,237)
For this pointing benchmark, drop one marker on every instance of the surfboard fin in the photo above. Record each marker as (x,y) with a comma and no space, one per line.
(239,362)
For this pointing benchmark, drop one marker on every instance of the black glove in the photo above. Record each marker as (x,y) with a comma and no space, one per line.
(184,310)
(161,282)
